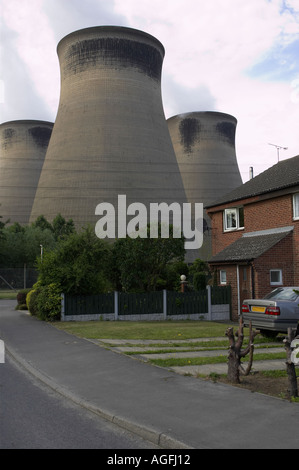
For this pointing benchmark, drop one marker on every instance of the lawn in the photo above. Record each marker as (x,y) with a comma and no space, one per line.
(161,330)
(8,294)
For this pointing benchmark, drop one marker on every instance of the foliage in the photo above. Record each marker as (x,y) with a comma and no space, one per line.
(44,302)
(22,244)
(199,281)
(2,240)
(21,297)
(170,276)
(140,262)
(200,274)
(49,302)
(31,299)
(59,227)
(78,264)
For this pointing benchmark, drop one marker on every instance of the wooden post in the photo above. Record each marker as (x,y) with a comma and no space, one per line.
(236,354)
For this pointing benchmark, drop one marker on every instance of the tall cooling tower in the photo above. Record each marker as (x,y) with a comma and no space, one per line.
(204,144)
(23,146)
(110,136)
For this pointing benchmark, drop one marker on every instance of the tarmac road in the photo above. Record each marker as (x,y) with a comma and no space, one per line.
(33,416)
(170,410)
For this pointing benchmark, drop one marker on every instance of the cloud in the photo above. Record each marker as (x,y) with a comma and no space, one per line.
(78,14)
(234,57)
(178,99)
(28,55)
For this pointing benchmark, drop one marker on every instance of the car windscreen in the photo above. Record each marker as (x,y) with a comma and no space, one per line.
(282,294)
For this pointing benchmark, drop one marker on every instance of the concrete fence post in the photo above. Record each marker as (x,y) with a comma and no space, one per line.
(209,303)
(62,307)
(115,305)
(165,304)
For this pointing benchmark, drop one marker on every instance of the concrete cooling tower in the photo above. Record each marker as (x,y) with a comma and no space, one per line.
(23,146)
(110,136)
(204,144)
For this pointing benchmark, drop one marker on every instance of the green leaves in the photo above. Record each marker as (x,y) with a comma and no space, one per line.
(78,264)
(140,262)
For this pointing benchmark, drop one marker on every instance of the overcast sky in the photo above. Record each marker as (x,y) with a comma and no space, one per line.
(239,57)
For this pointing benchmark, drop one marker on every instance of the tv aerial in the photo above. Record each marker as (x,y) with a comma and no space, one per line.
(279,147)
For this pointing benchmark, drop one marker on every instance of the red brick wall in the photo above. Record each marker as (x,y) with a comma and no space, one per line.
(278,257)
(258,215)
(261,214)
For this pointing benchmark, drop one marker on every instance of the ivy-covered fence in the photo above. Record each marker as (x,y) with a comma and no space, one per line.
(213,303)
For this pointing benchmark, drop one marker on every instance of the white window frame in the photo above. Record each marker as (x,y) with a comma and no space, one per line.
(296,206)
(279,283)
(223,277)
(233,211)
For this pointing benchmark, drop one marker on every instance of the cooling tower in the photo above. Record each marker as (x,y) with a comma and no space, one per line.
(110,136)
(204,144)
(23,147)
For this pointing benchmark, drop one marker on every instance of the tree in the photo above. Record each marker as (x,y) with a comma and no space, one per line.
(2,240)
(78,264)
(140,262)
(62,228)
(200,274)
(22,244)
(236,353)
(42,223)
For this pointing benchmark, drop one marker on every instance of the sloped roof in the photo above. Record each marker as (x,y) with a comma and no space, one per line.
(282,175)
(251,245)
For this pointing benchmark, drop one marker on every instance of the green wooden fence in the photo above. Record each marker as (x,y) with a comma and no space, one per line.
(141,303)
(88,304)
(187,303)
(221,295)
(169,303)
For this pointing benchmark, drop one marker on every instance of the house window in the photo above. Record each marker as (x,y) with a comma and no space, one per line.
(296,206)
(233,218)
(222,277)
(276,277)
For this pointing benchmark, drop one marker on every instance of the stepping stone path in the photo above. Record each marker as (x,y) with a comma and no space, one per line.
(141,348)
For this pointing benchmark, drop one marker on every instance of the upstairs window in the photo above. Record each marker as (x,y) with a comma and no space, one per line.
(233,218)
(296,206)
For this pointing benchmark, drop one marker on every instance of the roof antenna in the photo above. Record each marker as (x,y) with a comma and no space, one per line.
(278,147)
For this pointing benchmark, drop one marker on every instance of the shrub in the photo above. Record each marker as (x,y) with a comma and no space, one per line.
(49,302)
(21,299)
(199,281)
(31,299)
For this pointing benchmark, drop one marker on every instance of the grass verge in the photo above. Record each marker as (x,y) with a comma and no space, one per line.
(8,295)
(161,330)
(199,361)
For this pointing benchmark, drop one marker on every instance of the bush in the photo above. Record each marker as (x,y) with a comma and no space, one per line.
(31,299)
(49,302)
(199,281)
(21,299)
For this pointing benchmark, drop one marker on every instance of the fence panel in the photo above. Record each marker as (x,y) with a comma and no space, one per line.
(140,303)
(221,295)
(187,303)
(88,304)
(147,303)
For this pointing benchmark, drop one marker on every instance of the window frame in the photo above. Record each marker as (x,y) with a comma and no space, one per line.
(296,206)
(223,271)
(236,211)
(280,283)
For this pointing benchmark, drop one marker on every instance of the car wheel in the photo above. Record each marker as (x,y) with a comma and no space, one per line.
(269,333)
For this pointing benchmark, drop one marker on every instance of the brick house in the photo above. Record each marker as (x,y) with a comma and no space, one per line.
(255,234)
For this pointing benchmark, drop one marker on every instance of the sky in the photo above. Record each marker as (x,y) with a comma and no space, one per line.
(238,57)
